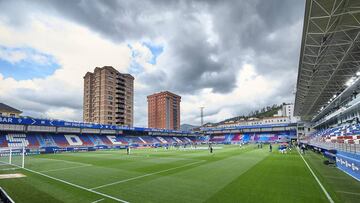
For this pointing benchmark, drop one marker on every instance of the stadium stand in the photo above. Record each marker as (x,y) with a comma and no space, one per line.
(49,136)
(344,138)
(264,137)
(328,85)
(48,140)
(54,141)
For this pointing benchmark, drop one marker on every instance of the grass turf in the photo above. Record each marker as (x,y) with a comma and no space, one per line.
(230,174)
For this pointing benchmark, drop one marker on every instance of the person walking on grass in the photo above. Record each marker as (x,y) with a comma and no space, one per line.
(270,147)
(210,148)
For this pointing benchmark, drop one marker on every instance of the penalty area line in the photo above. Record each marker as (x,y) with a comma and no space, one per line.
(77,186)
(317,180)
(74,185)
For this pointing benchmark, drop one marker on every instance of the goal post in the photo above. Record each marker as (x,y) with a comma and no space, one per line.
(12,157)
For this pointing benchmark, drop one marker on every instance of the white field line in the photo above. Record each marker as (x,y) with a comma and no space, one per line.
(351,193)
(98,200)
(74,185)
(317,180)
(61,169)
(77,186)
(8,169)
(145,175)
(71,162)
(6,195)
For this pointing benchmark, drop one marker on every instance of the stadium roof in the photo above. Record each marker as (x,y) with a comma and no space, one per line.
(7,108)
(330,53)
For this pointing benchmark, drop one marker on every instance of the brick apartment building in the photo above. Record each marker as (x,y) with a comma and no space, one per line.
(108,97)
(164,110)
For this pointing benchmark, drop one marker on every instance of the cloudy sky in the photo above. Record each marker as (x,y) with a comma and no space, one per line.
(229,56)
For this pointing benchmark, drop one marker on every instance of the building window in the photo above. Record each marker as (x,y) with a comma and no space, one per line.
(12,115)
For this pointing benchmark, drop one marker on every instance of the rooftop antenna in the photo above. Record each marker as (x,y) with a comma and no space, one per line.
(202,115)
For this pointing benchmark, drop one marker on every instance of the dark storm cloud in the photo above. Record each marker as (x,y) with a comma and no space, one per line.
(266,34)
(241,27)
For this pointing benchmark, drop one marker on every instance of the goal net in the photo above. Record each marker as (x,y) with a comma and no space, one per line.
(12,158)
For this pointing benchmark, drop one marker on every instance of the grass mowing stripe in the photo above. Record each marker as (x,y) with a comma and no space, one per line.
(317,180)
(74,185)
(71,162)
(145,175)
(61,169)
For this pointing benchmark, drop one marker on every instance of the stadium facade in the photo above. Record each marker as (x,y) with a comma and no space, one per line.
(108,97)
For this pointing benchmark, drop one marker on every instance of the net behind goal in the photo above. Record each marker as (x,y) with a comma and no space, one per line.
(12,158)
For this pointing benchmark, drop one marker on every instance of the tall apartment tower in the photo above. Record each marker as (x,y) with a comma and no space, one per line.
(108,97)
(164,110)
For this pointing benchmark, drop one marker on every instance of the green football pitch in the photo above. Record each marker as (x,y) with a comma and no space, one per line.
(230,174)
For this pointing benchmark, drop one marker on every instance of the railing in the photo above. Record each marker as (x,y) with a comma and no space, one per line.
(345,147)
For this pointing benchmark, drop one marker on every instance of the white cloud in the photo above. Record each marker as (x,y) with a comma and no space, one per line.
(18,54)
(74,47)
(252,90)
(142,56)
(78,50)
(12,56)
(62,112)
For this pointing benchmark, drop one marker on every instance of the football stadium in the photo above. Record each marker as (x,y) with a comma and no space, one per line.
(314,158)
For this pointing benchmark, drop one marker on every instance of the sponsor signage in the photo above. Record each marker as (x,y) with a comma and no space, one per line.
(61,123)
(246,127)
(349,163)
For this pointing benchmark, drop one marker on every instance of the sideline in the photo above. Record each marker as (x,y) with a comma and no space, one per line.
(317,180)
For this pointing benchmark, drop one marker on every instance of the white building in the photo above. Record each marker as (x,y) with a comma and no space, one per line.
(288,111)
(257,121)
